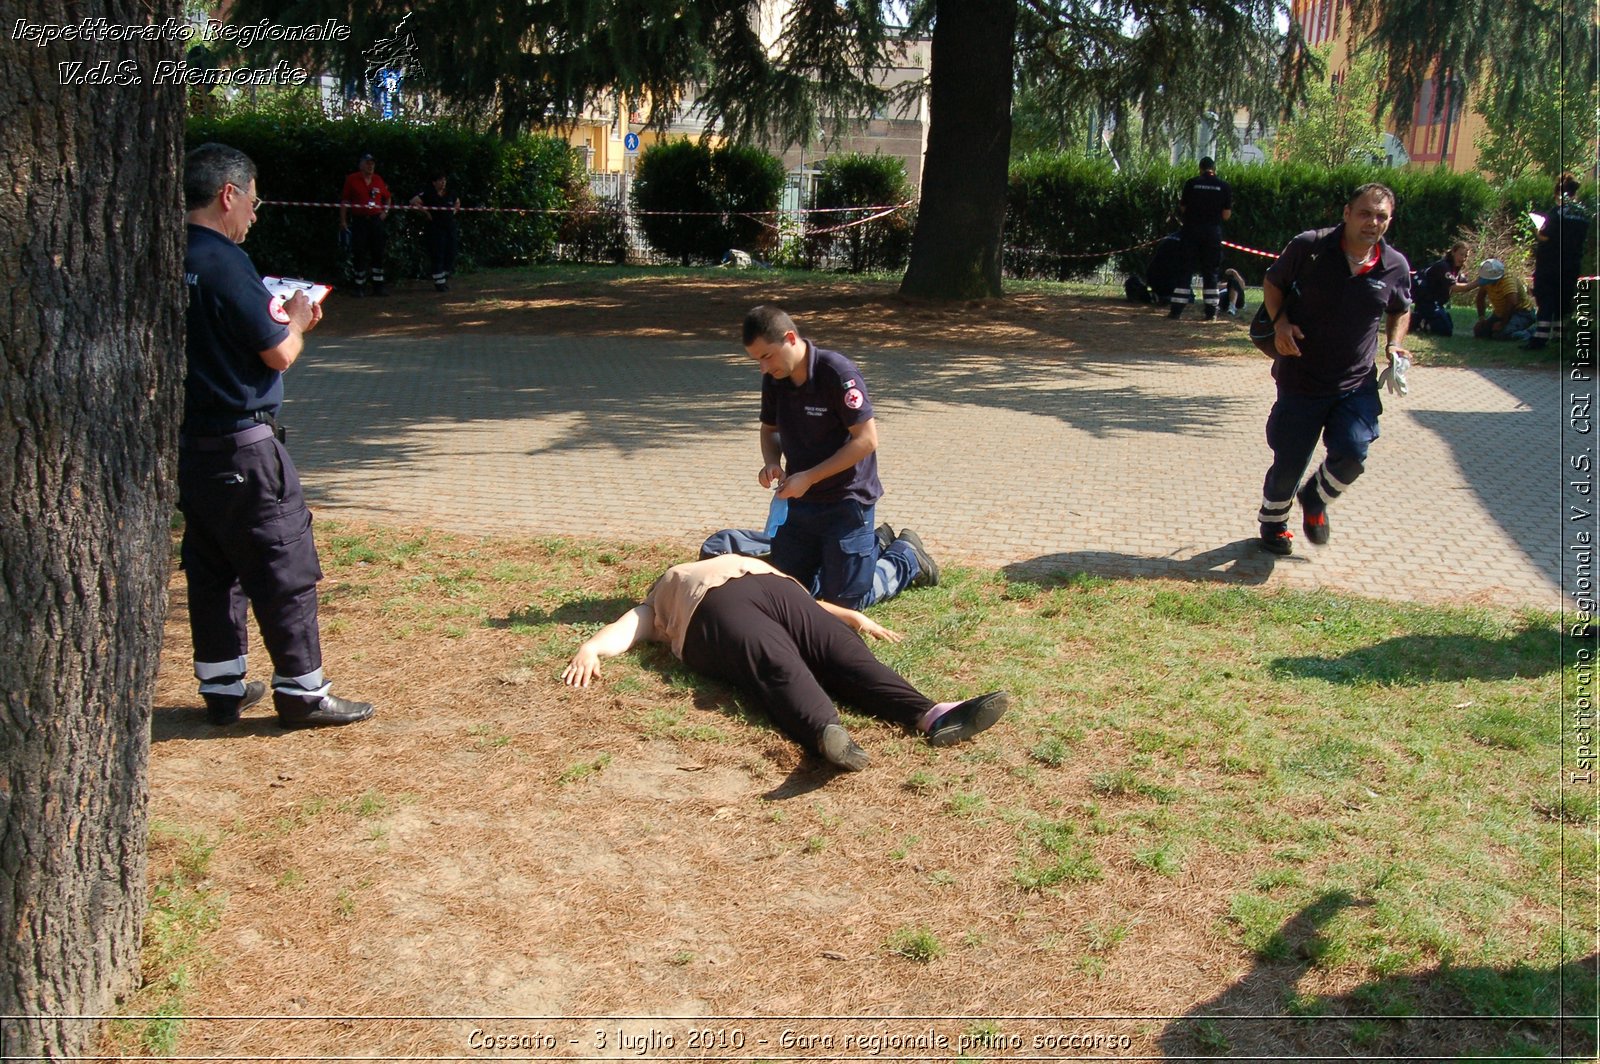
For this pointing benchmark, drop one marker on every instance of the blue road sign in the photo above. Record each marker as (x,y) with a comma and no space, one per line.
(631,142)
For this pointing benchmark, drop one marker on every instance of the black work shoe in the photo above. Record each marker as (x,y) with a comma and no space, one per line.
(1314,517)
(966,719)
(837,746)
(885,536)
(327,712)
(378,289)
(223,710)
(1277,540)
(359,291)
(1175,311)
(927,568)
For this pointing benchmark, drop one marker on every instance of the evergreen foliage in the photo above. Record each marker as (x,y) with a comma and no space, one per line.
(1068,214)
(303,156)
(1340,121)
(864,181)
(696,202)
(1553,131)
(1154,67)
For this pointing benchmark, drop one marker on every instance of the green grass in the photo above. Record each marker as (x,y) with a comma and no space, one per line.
(916,944)
(1376,780)
(583,770)
(184,908)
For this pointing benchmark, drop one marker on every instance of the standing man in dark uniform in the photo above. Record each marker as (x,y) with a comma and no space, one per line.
(1343,281)
(247,532)
(1206,202)
(1557,263)
(819,444)
(440,233)
(366,197)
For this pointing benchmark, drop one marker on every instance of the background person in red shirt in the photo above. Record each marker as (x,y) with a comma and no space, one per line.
(363,206)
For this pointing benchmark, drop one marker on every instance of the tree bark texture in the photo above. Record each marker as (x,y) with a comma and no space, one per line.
(956,250)
(91,356)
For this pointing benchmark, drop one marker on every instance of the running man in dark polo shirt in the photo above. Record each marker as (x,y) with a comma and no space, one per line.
(1345,281)
(819,446)
(1205,203)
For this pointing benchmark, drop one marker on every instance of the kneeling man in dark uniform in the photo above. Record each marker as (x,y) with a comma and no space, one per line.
(247,531)
(819,445)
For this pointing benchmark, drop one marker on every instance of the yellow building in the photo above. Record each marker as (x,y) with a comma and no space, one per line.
(1449,136)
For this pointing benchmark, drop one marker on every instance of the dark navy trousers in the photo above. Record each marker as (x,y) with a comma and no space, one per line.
(832,548)
(247,539)
(1347,424)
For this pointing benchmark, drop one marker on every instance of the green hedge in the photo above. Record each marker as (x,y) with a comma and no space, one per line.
(859,180)
(304,156)
(726,195)
(1066,215)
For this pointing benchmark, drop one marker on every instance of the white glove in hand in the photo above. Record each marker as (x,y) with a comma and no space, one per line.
(1394,377)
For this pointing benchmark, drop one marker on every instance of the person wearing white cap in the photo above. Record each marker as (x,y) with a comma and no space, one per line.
(1504,310)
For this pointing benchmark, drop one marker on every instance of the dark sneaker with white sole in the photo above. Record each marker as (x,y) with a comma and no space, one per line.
(966,719)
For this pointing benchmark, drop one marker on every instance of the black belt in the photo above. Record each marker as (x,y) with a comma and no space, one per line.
(233,441)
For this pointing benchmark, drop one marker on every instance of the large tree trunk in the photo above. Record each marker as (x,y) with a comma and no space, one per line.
(90,379)
(956,251)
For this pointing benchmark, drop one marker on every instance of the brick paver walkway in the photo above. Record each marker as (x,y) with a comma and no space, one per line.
(1148,465)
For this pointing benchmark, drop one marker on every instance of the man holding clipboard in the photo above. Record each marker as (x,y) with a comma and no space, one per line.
(247,532)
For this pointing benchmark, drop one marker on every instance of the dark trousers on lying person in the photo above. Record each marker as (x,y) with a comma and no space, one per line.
(764,634)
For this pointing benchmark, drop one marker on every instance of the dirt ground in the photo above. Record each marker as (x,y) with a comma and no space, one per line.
(711,306)
(499,866)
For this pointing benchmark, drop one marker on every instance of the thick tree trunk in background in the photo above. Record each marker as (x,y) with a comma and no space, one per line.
(91,331)
(956,251)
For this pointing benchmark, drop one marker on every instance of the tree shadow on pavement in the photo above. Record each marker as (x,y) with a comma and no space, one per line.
(1240,562)
(372,404)
(1494,452)
(1417,659)
(1447,1012)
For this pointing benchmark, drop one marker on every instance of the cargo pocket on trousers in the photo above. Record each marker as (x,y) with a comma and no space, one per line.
(286,548)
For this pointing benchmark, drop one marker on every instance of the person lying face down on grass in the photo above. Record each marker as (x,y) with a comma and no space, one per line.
(738,619)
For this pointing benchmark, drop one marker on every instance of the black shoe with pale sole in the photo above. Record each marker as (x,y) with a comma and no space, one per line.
(966,719)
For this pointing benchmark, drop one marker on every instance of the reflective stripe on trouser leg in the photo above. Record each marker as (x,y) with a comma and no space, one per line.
(221,677)
(1274,511)
(377,275)
(1547,329)
(310,687)
(1183,296)
(439,278)
(361,277)
(1334,477)
(1212,297)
